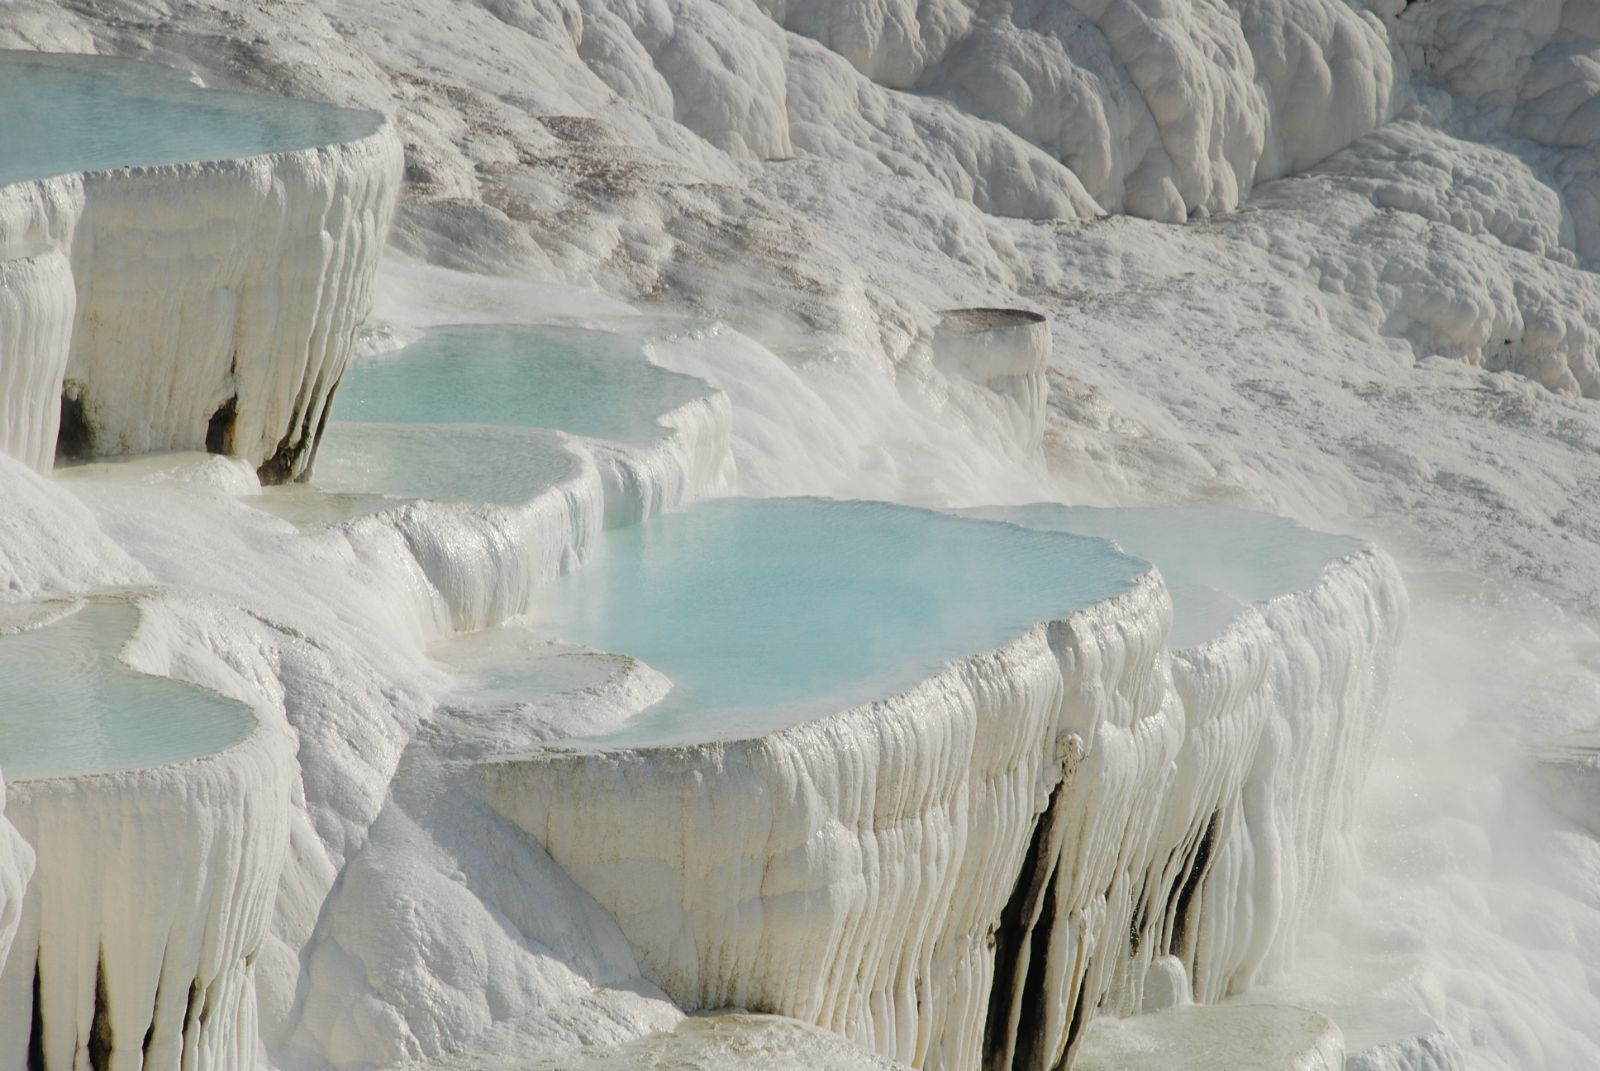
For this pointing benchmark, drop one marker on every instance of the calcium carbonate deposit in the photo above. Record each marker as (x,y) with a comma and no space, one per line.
(799,534)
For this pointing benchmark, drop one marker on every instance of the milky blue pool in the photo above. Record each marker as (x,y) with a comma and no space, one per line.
(583,382)
(64,114)
(368,468)
(449,463)
(68,707)
(766,611)
(1214,560)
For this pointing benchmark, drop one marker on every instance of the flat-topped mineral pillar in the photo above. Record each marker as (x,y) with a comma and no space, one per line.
(1006,350)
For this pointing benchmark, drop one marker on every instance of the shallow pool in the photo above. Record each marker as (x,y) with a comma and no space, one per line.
(368,468)
(1214,560)
(766,611)
(584,382)
(70,707)
(446,463)
(65,114)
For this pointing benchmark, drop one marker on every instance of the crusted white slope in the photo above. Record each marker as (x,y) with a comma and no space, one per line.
(692,458)
(636,144)
(1007,351)
(335,646)
(855,863)
(1300,684)
(1230,1038)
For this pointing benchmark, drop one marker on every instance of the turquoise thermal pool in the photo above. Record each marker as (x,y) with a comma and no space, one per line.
(448,463)
(1214,560)
(584,382)
(764,612)
(66,114)
(72,708)
(367,468)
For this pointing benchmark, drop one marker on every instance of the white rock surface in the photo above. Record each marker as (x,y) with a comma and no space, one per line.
(727,1040)
(692,458)
(1567,776)
(1300,687)
(1006,350)
(816,841)
(16,867)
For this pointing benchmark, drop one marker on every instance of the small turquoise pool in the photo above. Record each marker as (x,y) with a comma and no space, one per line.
(69,707)
(584,382)
(766,611)
(64,114)
(448,463)
(1214,560)
(368,468)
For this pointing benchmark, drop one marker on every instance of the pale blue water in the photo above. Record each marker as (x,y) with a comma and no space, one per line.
(367,468)
(442,463)
(62,114)
(69,707)
(766,611)
(584,382)
(1214,560)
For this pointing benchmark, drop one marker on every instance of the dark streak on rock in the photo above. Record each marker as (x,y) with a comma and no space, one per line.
(219,431)
(1183,937)
(101,1044)
(75,438)
(36,1031)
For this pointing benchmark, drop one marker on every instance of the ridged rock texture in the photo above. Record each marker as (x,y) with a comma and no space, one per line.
(38,302)
(151,896)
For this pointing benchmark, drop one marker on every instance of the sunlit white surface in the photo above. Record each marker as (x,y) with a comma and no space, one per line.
(1223,1038)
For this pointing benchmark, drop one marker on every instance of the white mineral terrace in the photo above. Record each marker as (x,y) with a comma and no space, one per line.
(73,708)
(583,430)
(944,786)
(155,814)
(972,866)
(506,730)
(180,268)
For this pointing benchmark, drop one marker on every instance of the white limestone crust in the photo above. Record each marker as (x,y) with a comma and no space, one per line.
(691,459)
